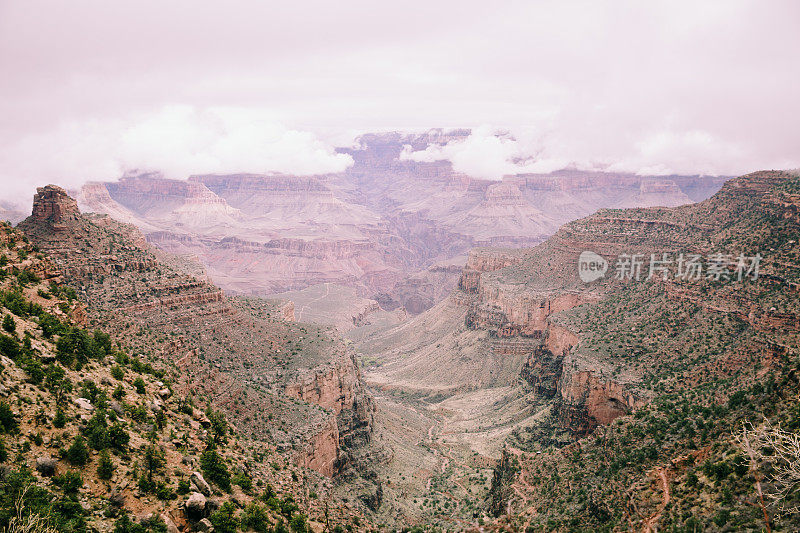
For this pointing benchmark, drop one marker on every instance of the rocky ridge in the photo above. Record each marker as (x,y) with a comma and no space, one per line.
(114,441)
(235,357)
(604,361)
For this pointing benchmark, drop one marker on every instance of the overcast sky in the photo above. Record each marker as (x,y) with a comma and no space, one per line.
(89,89)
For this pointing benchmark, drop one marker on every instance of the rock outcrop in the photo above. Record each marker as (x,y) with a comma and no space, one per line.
(338,388)
(52,205)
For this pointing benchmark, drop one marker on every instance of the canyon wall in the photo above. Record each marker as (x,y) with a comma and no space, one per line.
(378,227)
(231,357)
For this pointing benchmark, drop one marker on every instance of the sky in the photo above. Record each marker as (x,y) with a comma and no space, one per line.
(90,89)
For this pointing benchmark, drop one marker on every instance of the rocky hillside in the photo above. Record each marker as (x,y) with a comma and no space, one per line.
(96,437)
(294,390)
(638,385)
(652,379)
(381,227)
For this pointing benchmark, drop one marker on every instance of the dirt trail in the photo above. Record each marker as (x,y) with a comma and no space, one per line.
(299,314)
(650,522)
(529,510)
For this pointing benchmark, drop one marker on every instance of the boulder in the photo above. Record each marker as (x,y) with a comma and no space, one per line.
(46,466)
(213,504)
(117,408)
(204,526)
(171,527)
(196,505)
(165,393)
(85,404)
(200,483)
(116,497)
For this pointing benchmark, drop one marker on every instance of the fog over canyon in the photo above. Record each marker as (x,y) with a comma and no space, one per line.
(328,267)
(394,230)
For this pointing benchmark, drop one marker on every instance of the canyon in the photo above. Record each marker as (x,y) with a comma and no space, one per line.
(520,376)
(524,358)
(395,230)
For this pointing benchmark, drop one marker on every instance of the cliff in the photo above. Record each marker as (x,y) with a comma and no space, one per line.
(378,227)
(120,431)
(620,346)
(232,355)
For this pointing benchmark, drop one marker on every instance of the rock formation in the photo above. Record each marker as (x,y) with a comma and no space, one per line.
(380,227)
(235,355)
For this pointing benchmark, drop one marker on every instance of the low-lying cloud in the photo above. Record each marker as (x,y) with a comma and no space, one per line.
(491,153)
(487,153)
(652,87)
(177,141)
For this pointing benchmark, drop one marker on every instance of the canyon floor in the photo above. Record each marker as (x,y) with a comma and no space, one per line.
(445,410)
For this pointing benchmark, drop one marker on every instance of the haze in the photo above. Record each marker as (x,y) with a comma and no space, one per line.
(92,89)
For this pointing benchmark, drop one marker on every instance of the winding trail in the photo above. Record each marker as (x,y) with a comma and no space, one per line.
(299,314)
(650,522)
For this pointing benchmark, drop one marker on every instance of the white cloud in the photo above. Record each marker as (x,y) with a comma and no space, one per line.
(177,140)
(490,153)
(664,85)
(487,153)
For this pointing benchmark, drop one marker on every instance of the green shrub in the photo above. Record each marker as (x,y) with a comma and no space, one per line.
(288,506)
(299,523)
(224,519)
(24,277)
(76,345)
(219,425)
(117,372)
(119,392)
(9,346)
(118,436)
(102,342)
(89,390)
(8,420)
(78,453)
(164,492)
(255,517)
(97,431)
(138,412)
(184,487)
(152,525)
(105,466)
(50,325)
(153,461)
(57,382)
(33,368)
(244,482)
(70,482)
(214,469)
(60,420)
(138,384)
(9,324)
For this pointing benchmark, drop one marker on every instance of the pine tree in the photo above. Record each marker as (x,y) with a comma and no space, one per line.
(60,420)
(78,453)
(105,466)
(8,324)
